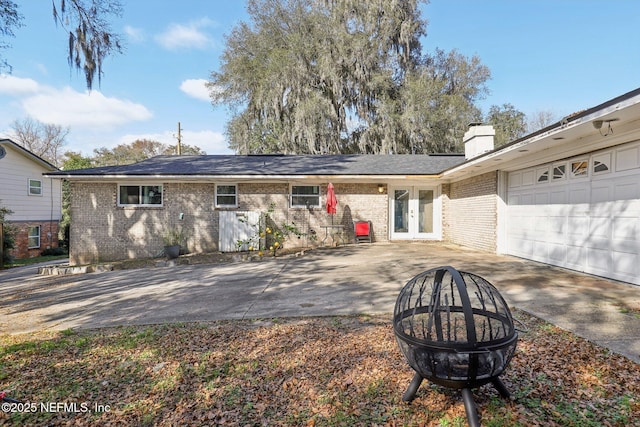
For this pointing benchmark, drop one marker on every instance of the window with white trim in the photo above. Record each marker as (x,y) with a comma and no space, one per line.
(34,237)
(601,163)
(543,175)
(559,171)
(305,196)
(140,195)
(227,196)
(35,187)
(579,168)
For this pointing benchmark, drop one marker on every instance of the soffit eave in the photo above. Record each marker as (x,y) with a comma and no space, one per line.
(245,178)
(567,138)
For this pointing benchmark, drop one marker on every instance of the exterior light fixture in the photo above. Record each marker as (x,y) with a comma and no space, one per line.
(380,188)
(604,126)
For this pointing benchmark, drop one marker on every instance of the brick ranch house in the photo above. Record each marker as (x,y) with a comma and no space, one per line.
(36,203)
(566,195)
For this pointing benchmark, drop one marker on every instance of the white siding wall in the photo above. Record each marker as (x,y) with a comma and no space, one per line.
(15,172)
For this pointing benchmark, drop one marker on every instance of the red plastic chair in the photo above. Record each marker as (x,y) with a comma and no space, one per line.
(362,231)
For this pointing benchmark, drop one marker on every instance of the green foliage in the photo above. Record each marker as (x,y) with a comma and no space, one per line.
(10,20)
(509,123)
(343,77)
(137,151)
(76,161)
(35,260)
(8,235)
(73,161)
(268,235)
(53,252)
(174,236)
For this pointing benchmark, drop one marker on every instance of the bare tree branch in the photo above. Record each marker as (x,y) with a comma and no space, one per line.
(42,139)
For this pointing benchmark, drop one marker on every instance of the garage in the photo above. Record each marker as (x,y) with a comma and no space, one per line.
(581,213)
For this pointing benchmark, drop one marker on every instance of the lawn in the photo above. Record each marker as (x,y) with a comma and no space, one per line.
(35,260)
(330,371)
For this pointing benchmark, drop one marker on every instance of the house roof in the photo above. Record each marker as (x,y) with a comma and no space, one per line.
(274,166)
(573,135)
(28,154)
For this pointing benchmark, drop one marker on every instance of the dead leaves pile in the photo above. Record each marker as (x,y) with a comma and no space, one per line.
(300,372)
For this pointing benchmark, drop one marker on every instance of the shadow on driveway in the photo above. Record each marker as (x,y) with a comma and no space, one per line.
(337,281)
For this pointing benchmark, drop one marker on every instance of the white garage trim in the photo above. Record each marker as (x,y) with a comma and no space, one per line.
(581,213)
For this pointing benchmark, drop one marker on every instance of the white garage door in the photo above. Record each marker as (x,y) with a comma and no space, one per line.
(581,213)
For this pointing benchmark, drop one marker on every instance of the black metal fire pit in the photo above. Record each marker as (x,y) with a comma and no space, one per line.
(455,330)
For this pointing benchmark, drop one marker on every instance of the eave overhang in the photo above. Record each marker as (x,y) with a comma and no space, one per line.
(570,137)
(247,178)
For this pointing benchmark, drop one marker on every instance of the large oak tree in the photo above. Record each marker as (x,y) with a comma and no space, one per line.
(342,76)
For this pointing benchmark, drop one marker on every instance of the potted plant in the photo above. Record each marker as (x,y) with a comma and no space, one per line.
(173,240)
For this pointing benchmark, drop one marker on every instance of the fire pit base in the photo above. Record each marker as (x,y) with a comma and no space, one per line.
(467,397)
(455,330)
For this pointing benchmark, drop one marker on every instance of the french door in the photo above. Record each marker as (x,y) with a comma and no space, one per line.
(415,213)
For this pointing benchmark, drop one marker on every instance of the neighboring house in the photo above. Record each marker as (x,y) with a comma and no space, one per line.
(567,195)
(36,201)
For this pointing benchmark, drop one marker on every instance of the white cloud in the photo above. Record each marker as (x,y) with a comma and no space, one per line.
(134,34)
(196,88)
(67,107)
(189,36)
(209,141)
(16,86)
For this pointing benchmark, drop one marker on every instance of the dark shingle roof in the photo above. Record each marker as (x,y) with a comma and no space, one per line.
(271,165)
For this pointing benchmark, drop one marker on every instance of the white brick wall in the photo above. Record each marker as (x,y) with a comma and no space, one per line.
(470,212)
(102,231)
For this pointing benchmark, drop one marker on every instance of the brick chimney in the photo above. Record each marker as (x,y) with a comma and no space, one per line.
(478,140)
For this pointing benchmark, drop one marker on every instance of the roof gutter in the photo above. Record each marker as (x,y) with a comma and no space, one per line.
(76,177)
(29,154)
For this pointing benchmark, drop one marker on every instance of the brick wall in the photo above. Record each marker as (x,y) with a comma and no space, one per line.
(102,231)
(470,212)
(355,202)
(48,238)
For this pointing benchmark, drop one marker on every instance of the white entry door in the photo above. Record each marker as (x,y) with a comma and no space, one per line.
(415,213)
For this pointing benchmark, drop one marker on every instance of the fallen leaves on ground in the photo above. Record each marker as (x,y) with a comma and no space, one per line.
(298,372)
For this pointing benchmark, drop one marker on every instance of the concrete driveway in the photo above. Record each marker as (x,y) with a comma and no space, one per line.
(337,281)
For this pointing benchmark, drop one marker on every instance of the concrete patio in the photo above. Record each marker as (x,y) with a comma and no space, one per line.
(333,281)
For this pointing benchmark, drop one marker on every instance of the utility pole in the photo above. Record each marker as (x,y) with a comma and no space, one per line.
(179,147)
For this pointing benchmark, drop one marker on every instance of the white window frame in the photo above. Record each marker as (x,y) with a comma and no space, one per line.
(602,159)
(234,195)
(583,168)
(543,175)
(141,195)
(33,236)
(563,167)
(304,196)
(31,187)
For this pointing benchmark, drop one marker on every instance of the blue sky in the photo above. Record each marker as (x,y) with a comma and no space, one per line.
(560,56)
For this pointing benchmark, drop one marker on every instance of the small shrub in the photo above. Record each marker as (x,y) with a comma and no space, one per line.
(268,235)
(53,252)
(8,236)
